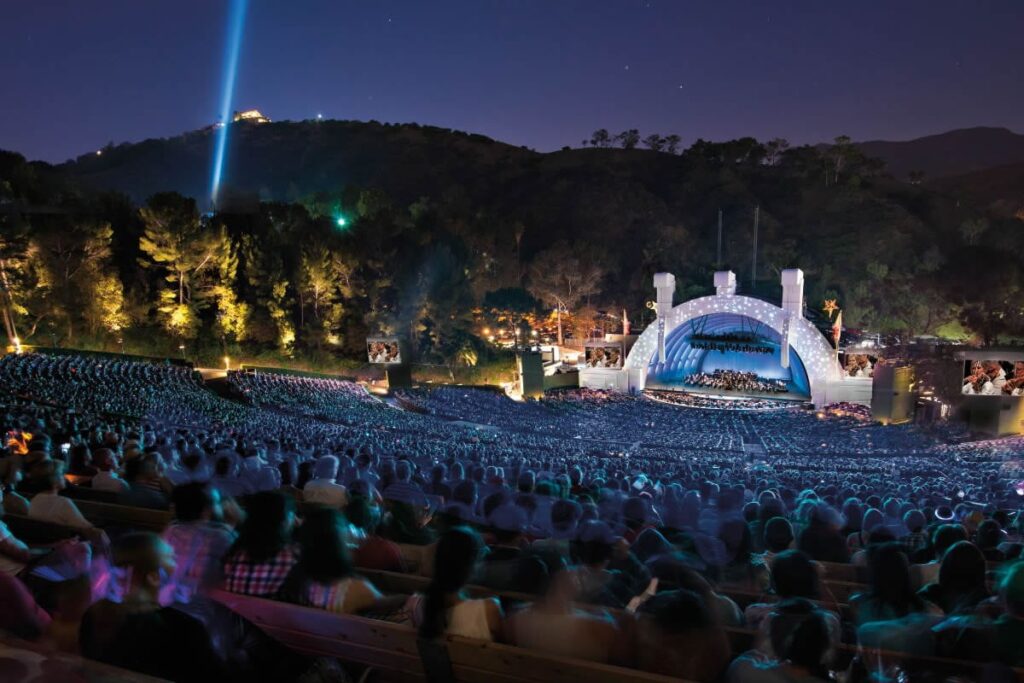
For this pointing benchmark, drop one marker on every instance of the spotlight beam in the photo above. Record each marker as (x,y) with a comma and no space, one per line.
(236,25)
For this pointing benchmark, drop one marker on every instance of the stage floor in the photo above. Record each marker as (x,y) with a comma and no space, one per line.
(711,392)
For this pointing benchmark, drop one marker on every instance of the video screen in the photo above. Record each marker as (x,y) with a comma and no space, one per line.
(993,378)
(383,351)
(858,364)
(607,356)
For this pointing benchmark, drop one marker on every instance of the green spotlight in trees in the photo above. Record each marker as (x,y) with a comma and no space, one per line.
(341,222)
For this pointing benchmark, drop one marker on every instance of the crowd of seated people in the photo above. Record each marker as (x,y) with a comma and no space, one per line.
(647,559)
(736,380)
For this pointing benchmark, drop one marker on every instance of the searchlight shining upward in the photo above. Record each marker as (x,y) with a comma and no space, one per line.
(236,24)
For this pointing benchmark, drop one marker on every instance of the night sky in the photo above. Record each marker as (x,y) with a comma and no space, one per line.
(77,74)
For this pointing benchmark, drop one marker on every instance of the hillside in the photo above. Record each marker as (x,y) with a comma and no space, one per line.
(441,223)
(1001,188)
(955,152)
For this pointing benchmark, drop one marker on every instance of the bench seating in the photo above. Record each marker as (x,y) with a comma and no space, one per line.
(37,531)
(124,516)
(63,666)
(391,649)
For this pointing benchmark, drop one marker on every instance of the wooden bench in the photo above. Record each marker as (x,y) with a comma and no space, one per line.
(391,650)
(62,666)
(37,531)
(124,516)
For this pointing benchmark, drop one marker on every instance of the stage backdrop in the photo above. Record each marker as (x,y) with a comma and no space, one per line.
(726,341)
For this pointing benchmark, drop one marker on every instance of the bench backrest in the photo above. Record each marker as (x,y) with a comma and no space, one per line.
(110,514)
(392,648)
(38,531)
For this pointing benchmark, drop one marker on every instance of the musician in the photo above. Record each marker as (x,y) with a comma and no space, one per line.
(996,376)
(1015,385)
(974,382)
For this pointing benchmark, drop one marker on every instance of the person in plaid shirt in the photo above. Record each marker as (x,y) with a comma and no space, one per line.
(264,554)
(200,539)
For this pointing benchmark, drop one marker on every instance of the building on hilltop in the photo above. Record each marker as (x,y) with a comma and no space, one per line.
(250,116)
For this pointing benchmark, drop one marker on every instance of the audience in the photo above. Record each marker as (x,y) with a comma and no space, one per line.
(569,513)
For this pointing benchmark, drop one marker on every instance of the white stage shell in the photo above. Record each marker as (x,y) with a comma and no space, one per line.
(816,354)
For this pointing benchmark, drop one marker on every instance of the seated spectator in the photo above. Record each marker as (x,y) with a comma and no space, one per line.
(1009,628)
(325,576)
(137,633)
(890,595)
(199,538)
(800,637)
(743,569)
(821,539)
(989,536)
(402,489)
(263,554)
(323,488)
(14,554)
(49,506)
(553,625)
(961,585)
(794,575)
(373,551)
(599,584)
(508,564)
(14,503)
(408,524)
(445,608)
(80,461)
(778,537)
(942,539)
(20,616)
(145,483)
(107,478)
(679,635)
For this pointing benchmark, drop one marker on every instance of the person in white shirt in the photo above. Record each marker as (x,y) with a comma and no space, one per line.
(996,377)
(14,554)
(322,488)
(49,506)
(107,478)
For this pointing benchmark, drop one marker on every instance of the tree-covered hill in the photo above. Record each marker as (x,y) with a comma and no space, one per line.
(439,223)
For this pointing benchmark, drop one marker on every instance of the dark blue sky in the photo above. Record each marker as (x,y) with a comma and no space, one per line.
(76,74)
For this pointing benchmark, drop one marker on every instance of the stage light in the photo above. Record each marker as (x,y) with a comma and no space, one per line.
(236,24)
(341,221)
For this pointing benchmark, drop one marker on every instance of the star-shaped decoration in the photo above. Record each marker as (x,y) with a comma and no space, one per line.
(830,307)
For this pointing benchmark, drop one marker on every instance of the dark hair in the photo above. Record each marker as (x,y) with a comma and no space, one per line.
(778,534)
(358,512)
(305,473)
(794,575)
(222,466)
(989,534)
(889,579)
(79,459)
(324,552)
(799,634)
(455,560)
(962,576)
(263,535)
(138,550)
(945,536)
(190,501)
(289,473)
(680,611)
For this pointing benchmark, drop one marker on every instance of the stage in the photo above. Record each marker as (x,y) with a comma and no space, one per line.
(711,392)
